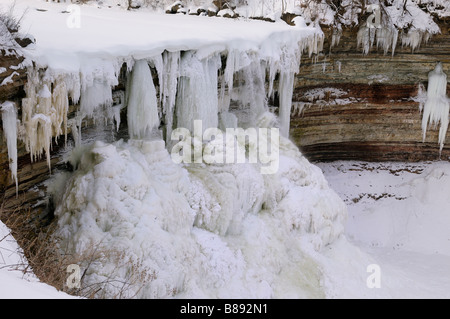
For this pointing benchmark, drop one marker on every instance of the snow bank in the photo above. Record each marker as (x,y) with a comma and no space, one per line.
(16,284)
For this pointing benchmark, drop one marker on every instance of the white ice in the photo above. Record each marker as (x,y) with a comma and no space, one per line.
(436,108)
(9,120)
(142,103)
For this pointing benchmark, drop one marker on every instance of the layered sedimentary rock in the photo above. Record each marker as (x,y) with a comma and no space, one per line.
(348,105)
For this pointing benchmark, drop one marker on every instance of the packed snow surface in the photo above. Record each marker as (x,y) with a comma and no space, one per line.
(398,213)
(15,283)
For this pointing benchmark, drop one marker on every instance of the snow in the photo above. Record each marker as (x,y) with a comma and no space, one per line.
(60,47)
(9,79)
(436,108)
(397,215)
(322,97)
(15,283)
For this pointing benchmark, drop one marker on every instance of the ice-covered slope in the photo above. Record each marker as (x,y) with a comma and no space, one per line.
(164,229)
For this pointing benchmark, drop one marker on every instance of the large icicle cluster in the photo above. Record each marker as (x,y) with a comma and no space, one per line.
(399,19)
(436,108)
(9,119)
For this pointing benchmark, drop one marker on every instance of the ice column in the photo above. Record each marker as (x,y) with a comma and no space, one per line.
(285,90)
(171,64)
(9,119)
(142,102)
(197,97)
(436,107)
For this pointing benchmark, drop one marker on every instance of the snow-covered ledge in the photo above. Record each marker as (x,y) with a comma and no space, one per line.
(80,57)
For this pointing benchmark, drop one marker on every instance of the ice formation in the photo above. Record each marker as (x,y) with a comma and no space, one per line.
(171,62)
(141,101)
(9,120)
(399,19)
(436,108)
(197,97)
(386,37)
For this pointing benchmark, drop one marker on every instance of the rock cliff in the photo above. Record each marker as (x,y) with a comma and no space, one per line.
(352,106)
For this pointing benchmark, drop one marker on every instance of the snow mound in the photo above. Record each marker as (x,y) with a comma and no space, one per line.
(209,231)
(16,284)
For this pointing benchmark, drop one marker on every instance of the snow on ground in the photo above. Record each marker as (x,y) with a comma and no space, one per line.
(14,284)
(398,213)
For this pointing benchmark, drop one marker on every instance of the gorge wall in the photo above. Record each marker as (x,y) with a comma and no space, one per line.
(350,106)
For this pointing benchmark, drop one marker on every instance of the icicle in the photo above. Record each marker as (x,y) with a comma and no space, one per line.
(285,91)
(236,60)
(436,108)
(290,64)
(414,38)
(197,97)
(114,111)
(97,79)
(9,119)
(273,66)
(421,96)
(60,102)
(386,38)
(339,65)
(336,37)
(251,94)
(142,103)
(171,72)
(37,111)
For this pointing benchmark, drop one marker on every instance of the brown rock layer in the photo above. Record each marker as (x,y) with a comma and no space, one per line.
(378,121)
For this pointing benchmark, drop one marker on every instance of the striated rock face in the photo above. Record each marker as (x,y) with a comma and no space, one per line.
(353,106)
